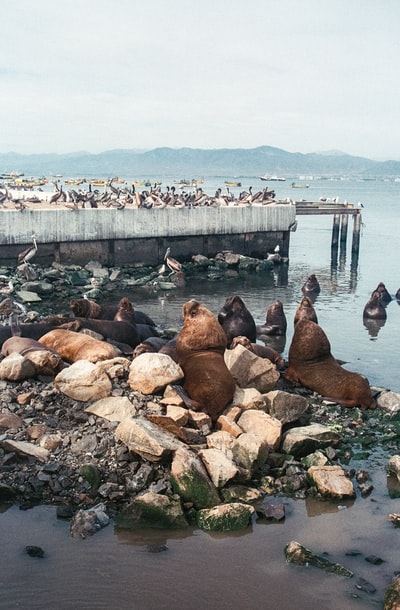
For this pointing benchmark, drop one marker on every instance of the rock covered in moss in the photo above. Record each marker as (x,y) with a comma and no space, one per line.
(225,518)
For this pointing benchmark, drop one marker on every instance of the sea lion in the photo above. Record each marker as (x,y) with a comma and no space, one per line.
(200,348)
(374,308)
(87,308)
(311,363)
(311,286)
(74,346)
(121,332)
(384,293)
(236,320)
(305,311)
(275,320)
(149,345)
(46,359)
(398,295)
(32,330)
(263,351)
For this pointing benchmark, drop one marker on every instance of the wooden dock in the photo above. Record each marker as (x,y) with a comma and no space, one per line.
(341,213)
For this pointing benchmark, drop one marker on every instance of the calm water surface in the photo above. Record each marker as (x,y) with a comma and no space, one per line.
(114,569)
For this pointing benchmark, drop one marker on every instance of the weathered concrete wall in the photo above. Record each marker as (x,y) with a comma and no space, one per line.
(132,236)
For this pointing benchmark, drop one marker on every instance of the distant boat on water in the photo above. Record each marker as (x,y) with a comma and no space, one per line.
(273,178)
(300,186)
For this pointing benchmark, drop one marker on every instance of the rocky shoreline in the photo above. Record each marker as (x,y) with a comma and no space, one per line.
(138,455)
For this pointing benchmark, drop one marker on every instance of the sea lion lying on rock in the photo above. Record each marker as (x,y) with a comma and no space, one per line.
(275,320)
(32,330)
(149,345)
(311,363)
(236,320)
(87,308)
(111,331)
(200,348)
(74,346)
(263,351)
(46,360)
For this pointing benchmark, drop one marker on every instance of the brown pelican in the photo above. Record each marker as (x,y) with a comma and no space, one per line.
(26,255)
(171,263)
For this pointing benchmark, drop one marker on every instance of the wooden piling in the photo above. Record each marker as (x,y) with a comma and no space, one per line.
(355,246)
(335,231)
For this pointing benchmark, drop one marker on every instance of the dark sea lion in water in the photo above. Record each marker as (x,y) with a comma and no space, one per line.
(311,286)
(398,295)
(200,348)
(73,346)
(311,364)
(384,293)
(305,311)
(275,320)
(263,351)
(46,359)
(236,320)
(374,308)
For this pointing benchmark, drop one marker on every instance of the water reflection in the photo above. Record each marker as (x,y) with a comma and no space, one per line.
(373,326)
(317,506)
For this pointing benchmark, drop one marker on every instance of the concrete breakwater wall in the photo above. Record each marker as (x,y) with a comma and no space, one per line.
(140,236)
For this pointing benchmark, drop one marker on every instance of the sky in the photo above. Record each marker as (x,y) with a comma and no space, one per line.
(301,75)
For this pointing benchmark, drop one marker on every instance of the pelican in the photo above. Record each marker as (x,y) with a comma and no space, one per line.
(173,264)
(26,255)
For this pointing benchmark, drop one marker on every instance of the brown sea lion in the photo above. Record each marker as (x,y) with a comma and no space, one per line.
(236,320)
(305,311)
(33,330)
(311,363)
(275,320)
(121,332)
(374,308)
(87,308)
(311,286)
(200,348)
(74,346)
(46,359)
(151,344)
(263,351)
(384,293)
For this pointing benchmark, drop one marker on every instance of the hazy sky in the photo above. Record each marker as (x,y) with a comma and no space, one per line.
(303,75)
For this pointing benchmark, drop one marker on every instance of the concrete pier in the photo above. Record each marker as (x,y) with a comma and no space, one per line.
(140,236)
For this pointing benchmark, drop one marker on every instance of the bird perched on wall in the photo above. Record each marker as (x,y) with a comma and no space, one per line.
(174,265)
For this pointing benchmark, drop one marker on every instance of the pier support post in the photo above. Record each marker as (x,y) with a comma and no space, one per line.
(335,231)
(343,230)
(355,247)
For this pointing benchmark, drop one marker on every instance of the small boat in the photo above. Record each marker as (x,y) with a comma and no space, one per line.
(99,182)
(272,178)
(300,186)
(227,183)
(74,181)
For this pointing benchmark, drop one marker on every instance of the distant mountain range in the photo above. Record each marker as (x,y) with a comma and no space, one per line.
(195,162)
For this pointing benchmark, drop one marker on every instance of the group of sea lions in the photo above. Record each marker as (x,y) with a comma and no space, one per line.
(199,347)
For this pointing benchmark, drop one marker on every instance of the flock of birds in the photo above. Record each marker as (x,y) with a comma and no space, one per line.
(154,197)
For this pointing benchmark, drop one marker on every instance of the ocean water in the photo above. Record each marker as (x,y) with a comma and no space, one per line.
(245,570)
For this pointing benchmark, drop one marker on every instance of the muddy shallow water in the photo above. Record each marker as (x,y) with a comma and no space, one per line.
(195,570)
